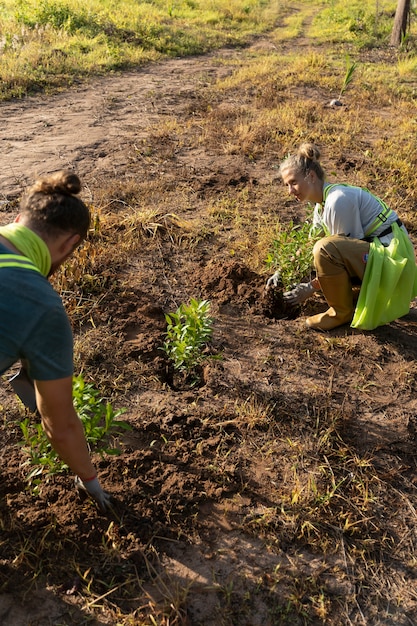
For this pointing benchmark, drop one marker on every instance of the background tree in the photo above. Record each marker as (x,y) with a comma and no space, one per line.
(401,21)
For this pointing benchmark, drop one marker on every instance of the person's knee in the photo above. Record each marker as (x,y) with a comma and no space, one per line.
(326,255)
(322,247)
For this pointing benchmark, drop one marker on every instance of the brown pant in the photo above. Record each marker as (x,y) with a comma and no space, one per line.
(336,254)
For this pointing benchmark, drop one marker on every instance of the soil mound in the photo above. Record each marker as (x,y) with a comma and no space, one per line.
(232,283)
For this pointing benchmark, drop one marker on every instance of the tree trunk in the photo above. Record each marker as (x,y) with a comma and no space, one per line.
(400,22)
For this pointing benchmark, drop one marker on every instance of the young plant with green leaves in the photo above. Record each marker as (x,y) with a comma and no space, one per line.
(291,253)
(99,419)
(350,70)
(188,331)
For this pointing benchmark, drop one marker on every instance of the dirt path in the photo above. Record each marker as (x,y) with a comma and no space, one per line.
(89,128)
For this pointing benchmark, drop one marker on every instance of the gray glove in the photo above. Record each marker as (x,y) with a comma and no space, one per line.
(274,280)
(93,488)
(301,292)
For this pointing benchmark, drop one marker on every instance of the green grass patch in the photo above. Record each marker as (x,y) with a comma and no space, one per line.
(46,45)
(363,24)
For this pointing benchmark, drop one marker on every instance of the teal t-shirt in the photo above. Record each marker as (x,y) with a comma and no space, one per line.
(34,326)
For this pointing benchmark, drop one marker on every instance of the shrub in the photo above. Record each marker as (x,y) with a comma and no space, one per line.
(291,253)
(188,331)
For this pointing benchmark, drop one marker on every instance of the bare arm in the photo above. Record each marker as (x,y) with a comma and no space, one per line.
(62,425)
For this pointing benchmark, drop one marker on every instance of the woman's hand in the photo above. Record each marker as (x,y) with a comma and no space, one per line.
(299,294)
(274,280)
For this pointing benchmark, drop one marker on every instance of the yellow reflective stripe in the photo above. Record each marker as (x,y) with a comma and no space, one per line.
(329,188)
(15,260)
(380,219)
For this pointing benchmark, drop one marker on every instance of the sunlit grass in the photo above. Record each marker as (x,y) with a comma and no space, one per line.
(356,22)
(50,44)
(407,68)
(294,24)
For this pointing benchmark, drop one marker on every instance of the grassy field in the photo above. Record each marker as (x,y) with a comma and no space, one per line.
(50,45)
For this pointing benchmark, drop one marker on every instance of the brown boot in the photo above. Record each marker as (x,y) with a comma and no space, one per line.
(338,293)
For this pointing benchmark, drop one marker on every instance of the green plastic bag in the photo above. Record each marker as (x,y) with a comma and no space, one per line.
(389,283)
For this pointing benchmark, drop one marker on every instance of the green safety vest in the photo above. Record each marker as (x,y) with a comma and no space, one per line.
(17,260)
(389,283)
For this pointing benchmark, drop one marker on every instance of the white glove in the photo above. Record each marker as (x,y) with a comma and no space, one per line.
(93,488)
(274,280)
(301,292)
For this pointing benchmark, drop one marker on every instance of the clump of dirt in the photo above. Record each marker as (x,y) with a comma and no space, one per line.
(232,283)
(228,282)
(273,305)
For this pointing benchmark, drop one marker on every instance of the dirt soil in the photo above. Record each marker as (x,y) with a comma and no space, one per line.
(202,530)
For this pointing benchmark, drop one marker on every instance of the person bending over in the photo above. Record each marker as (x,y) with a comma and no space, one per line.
(34,327)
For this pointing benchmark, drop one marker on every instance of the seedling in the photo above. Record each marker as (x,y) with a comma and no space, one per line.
(98,417)
(188,330)
(291,253)
(350,69)
(99,420)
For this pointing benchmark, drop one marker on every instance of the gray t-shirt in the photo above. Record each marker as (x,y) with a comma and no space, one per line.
(351,210)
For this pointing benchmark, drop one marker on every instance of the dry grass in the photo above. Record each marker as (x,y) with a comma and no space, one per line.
(323,496)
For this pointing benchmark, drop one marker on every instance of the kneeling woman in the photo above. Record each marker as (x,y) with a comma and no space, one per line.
(363,239)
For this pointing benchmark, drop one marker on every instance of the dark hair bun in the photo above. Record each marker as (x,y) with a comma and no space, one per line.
(64,181)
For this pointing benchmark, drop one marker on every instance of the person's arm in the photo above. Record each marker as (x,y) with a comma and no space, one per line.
(62,425)
(65,431)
